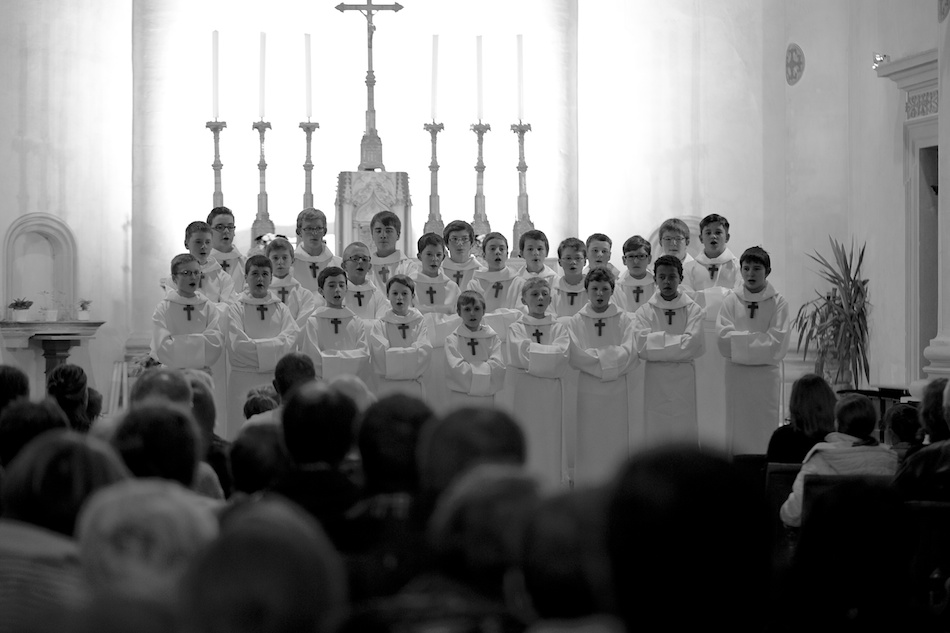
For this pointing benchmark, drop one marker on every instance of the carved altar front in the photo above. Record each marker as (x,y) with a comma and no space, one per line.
(362,194)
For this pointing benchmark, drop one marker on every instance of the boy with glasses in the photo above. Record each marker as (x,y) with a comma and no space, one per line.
(674,238)
(461,265)
(635,285)
(312,254)
(221,221)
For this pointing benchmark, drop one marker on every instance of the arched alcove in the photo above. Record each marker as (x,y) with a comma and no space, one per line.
(40,257)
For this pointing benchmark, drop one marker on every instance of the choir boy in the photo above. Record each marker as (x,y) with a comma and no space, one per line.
(674,238)
(365,299)
(753,329)
(500,286)
(533,246)
(214,283)
(221,221)
(399,343)
(388,260)
(312,254)
(461,265)
(260,331)
(476,369)
(669,335)
(635,285)
(599,247)
(570,291)
(292,294)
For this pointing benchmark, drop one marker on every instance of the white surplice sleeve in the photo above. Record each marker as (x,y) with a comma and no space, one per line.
(753,348)
(655,344)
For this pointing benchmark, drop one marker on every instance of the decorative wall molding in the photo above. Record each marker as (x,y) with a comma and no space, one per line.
(913,73)
(921,104)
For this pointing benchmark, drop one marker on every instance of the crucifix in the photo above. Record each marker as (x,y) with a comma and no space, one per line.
(201,280)
(571,296)
(283,292)
(359,298)
(371,147)
(263,310)
(314,269)
(537,335)
(669,316)
(497,286)
(431,292)
(384,273)
(188,310)
(753,306)
(637,291)
(402,327)
(225,265)
(336,323)
(600,325)
(473,344)
(458,277)
(713,269)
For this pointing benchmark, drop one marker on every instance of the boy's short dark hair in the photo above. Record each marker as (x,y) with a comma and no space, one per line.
(14,384)
(635,243)
(330,271)
(279,244)
(430,239)
(310,214)
(571,242)
(258,458)
(855,415)
(534,234)
(215,212)
(258,404)
(669,260)
(387,218)
(599,274)
(159,440)
(318,424)
(532,283)
(459,225)
(713,218)
(22,420)
(388,438)
(180,260)
(494,235)
(257,260)
(904,423)
(599,237)
(196,227)
(401,279)
(469,297)
(674,225)
(756,255)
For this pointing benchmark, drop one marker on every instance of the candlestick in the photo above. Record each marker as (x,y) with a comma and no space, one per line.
(214,74)
(263,48)
(434,223)
(217,199)
(520,79)
(262,223)
(435,74)
(523,224)
(306,57)
(478,73)
(308,129)
(480,221)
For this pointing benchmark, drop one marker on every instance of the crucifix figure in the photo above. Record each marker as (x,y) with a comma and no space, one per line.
(336,323)
(458,277)
(188,310)
(497,286)
(571,296)
(403,327)
(263,310)
(473,344)
(371,148)
(283,292)
(359,298)
(431,292)
(384,273)
(753,306)
(225,265)
(314,269)
(637,291)
(599,324)
(669,316)
(537,335)
(713,269)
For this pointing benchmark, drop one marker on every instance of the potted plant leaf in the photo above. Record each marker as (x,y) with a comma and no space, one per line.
(836,321)
(83,313)
(21,310)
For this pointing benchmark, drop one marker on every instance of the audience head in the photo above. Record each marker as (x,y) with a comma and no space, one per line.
(67,385)
(94,405)
(255,405)
(51,478)
(23,420)
(292,369)
(258,458)
(388,437)
(902,424)
(272,569)
(855,415)
(202,406)
(13,385)
(354,387)
(658,500)
(811,406)
(934,414)
(318,424)
(137,537)
(159,440)
(267,390)
(162,383)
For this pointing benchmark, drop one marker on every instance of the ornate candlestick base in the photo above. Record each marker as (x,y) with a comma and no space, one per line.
(308,129)
(216,126)
(262,223)
(434,224)
(523,223)
(480,221)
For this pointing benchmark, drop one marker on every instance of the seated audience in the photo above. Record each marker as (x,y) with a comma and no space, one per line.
(292,370)
(214,472)
(811,409)
(23,420)
(256,404)
(925,475)
(258,458)
(902,430)
(163,383)
(158,440)
(94,406)
(67,385)
(14,385)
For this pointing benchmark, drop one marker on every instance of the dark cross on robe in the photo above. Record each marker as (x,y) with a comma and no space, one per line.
(225,265)
(283,292)
(599,324)
(458,277)
(431,292)
(403,327)
(189,309)
(669,316)
(637,291)
(571,296)
(537,335)
(473,344)
(314,269)
(262,310)
(359,298)
(753,306)
(201,279)
(384,273)
(497,286)
(713,269)
(336,323)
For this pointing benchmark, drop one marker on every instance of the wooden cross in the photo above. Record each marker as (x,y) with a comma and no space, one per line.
(600,325)
(314,269)
(637,291)
(335,322)
(263,310)
(359,298)
(225,265)
(431,292)
(473,344)
(571,296)
(713,269)
(753,306)
(201,279)
(188,310)
(669,316)
(283,292)
(458,277)
(384,273)
(497,287)
(403,327)
(537,335)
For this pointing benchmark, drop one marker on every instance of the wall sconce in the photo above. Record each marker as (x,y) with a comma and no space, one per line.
(878,59)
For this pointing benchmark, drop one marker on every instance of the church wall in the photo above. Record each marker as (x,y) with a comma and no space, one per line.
(64,150)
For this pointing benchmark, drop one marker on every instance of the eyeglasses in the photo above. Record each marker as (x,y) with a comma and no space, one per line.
(673,240)
(221,228)
(189,273)
(573,258)
(358,259)
(313,230)
(638,258)
(458,241)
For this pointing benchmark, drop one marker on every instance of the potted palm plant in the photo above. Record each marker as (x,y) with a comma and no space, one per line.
(21,310)
(837,321)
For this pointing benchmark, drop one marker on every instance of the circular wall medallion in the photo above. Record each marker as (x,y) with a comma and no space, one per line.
(794,64)
(943,8)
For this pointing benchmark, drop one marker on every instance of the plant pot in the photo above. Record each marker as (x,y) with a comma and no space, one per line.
(82,315)
(21,316)
(51,315)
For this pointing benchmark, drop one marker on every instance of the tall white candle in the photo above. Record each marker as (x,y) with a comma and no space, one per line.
(435,74)
(478,72)
(263,48)
(214,74)
(306,56)
(520,80)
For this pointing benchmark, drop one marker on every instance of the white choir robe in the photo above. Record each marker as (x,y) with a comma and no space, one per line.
(187,332)
(754,347)
(366,300)
(335,339)
(439,326)
(400,351)
(538,352)
(386,267)
(546,272)
(461,274)
(476,370)
(602,349)
(669,337)
(567,299)
(501,288)
(630,293)
(610,267)
(307,267)
(260,333)
(499,321)
(232,263)
(298,299)
(435,294)
(708,281)
(215,284)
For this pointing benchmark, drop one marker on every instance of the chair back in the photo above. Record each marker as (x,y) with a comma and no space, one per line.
(816,485)
(779,478)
